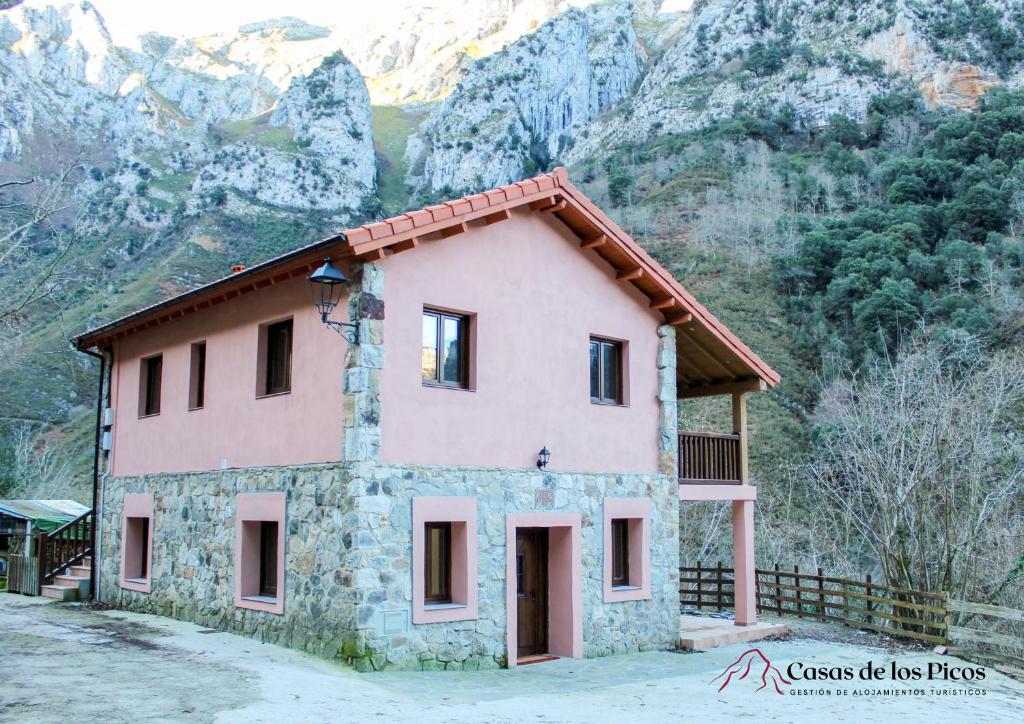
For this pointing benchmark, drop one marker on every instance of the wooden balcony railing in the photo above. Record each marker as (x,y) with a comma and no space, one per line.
(707,457)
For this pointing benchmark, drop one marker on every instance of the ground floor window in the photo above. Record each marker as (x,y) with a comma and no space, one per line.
(437,568)
(260,551)
(137,542)
(444,550)
(627,549)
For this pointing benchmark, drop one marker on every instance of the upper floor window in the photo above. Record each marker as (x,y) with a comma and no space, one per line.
(276,358)
(150,375)
(444,358)
(197,377)
(605,371)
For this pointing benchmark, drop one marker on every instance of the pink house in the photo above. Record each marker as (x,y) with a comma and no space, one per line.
(482,468)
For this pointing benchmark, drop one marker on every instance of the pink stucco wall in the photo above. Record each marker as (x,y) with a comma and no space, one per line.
(537,299)
(235,428)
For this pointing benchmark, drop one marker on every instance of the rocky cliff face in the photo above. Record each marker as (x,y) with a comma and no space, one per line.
(263,114)
(818,59)
(524,106)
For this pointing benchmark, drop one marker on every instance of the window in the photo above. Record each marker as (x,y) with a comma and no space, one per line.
(444,358)
(197,377)
(137,542)
(137,539)
(627,549)
(605,371)
(620,552)
(444,550)
(260,551)
(437,573)
(149,385)
(268,558)
(276,358)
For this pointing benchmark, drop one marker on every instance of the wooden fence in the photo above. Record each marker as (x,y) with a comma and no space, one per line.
(865,604)
(1000,641)
(23,575)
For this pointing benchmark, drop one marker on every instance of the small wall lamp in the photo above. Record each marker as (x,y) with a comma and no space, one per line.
(542,458)
(327,284)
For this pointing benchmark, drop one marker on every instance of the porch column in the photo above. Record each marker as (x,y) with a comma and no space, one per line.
(743,524)
(739,427)
(743,561)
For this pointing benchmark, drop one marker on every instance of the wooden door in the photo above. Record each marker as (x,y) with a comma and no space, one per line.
(532,590)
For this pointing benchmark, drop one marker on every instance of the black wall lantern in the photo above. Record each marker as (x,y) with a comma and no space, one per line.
(327,284)
(542,458)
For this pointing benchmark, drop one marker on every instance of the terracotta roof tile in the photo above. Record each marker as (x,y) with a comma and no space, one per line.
(358,235)
(544,183)
(401,223)
(422,217)
(380,230)
(495,196)
(529,186)
(440,212)
(478,201)
(460,206)
(512,192)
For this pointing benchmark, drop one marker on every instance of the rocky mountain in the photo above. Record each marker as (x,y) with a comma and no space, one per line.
(179,156)
(818,59)
(523,106)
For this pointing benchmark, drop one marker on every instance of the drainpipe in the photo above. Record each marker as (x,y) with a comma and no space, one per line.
(93,578)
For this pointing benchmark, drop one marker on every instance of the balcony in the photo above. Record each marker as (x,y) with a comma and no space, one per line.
(707,458)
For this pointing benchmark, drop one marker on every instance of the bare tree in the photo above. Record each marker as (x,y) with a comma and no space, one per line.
(29,209)
(922,456)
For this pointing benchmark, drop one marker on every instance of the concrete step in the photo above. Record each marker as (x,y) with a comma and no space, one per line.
(61,593)
(87,562)
(80,571)
(82,583)
(698,633)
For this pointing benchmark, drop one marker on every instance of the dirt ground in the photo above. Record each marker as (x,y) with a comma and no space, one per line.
(62,663)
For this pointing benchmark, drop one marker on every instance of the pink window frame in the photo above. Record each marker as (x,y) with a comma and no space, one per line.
(255,508)
(565,583)
(137,505)
(460,511)
(638,512)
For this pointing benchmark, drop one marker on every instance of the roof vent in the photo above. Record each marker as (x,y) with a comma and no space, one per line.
(236,268)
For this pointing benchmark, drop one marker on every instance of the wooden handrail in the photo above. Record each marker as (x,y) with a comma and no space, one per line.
(83,516)
(64,547)
(709,457)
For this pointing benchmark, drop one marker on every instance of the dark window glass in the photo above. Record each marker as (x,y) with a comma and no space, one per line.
(445,346)
(595,369)
(197,383)
(620,552)
(152,370)
(605,371)
(438,563)
(268,558)
(144,553)
(279,357)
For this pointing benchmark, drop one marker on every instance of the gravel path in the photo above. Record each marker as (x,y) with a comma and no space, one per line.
(63,663)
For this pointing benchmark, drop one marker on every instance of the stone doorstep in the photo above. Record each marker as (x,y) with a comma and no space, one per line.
(79,571)
(79,582)
(60,593)
(697,634)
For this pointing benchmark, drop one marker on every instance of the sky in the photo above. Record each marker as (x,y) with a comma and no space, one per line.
(127,19)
